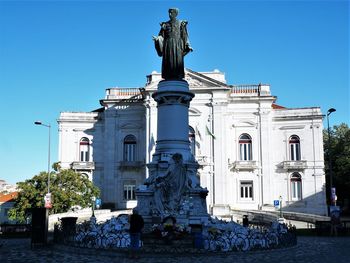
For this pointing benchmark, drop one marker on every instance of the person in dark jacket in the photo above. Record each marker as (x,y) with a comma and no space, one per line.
(136,225)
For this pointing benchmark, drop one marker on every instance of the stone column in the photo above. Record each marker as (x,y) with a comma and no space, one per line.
(173,99)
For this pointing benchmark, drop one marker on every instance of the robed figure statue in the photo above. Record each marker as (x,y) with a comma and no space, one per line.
(172,44)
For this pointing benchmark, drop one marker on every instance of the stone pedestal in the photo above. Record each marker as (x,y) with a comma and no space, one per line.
(173,100)
(173,187)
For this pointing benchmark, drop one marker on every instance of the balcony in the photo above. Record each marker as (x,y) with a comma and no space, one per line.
(83,166)
(243,165)
(123,93)
(133,165)
(203,161)
(250,90)
(294,165)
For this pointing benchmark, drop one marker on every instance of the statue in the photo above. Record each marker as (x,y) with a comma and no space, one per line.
(172,44)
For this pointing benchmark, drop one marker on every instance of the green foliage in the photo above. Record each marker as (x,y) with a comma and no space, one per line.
(339,150)
(67,188)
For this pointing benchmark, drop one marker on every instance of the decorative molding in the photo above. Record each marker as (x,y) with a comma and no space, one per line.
(244,124)
(243,165)
(294,165)
(297,127)
(194,112)
(84,129)
(82,166)
(130,126)
(192,82)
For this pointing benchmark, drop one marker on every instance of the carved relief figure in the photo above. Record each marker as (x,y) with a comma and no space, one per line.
(170,188)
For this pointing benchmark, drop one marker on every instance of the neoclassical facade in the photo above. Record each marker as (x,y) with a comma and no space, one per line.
(250,151)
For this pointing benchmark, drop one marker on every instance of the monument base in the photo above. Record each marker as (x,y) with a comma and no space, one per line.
(192,210)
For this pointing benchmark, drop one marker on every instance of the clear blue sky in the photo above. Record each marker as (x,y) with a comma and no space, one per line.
(61,55)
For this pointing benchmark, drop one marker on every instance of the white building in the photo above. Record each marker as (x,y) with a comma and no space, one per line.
(250,150)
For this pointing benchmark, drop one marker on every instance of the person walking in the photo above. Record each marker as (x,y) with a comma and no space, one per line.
(136,225)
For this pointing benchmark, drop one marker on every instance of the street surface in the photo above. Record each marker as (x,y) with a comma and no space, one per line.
(309,249)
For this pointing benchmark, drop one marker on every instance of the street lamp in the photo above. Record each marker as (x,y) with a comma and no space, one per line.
(329,156)
(93,199)
(280,199)
(48,163)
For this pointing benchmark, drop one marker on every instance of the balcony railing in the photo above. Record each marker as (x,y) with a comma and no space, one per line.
(123,93)
(83,165)
(293,165)
(243,165)
(127,165)
(203,161)
(250,90)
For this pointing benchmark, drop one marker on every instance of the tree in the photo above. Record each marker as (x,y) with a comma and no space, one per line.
(339,150)
(67,188)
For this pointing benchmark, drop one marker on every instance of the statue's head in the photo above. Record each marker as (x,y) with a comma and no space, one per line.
(173,12)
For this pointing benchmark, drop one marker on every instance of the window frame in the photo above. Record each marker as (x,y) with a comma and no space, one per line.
(129,148)
(296,187)
(246,190)
(245,147)
(84,154)
(294,148)
(129,187)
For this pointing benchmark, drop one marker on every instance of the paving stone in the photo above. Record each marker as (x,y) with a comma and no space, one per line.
(309,249)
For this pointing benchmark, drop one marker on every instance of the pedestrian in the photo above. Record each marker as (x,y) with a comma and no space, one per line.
(245,221)
(335,223)
(136,225)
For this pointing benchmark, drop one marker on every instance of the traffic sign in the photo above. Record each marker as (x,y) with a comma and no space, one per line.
(276,203)
(98,202)
(47,198)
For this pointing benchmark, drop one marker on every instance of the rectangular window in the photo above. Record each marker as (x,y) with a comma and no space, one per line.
(245,151)
(130,152)
(295,152)
(84,153)
(296,190)
(247,190)
(129,190)
(292,152)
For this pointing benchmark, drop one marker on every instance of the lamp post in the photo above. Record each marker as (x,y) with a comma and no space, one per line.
(93,199)
(48,163)
(280,206)
(329,156)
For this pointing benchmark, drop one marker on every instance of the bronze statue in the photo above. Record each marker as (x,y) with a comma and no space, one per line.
(172,44)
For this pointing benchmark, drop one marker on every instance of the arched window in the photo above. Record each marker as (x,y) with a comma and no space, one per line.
(130,148)
(294,146)
(192,139)
(295,182)
(245,147)
(84,149)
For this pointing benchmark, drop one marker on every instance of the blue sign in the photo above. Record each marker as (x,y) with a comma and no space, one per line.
(276,203)
(98,202)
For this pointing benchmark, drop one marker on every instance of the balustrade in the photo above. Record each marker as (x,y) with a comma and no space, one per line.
(123,93)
